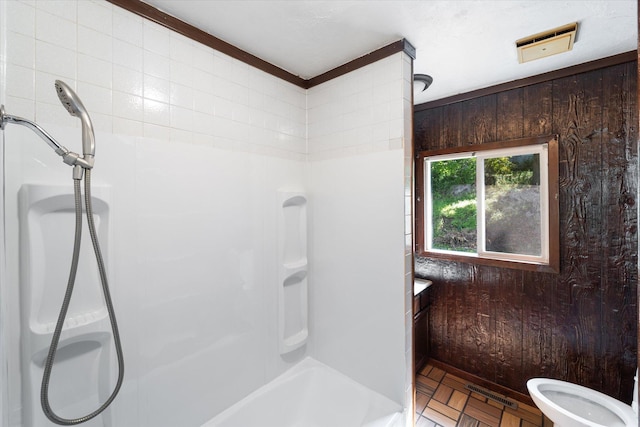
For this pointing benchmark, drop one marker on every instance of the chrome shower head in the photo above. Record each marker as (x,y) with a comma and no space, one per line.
(69,99)
(74,106)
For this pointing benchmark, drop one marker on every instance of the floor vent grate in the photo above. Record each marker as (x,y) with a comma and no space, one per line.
(490,395)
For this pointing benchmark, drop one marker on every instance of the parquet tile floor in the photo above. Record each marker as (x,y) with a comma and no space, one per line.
(443,401)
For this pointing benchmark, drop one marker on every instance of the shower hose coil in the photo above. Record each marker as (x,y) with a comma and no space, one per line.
(44,391)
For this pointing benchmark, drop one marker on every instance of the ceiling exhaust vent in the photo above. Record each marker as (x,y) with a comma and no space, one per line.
(547,43)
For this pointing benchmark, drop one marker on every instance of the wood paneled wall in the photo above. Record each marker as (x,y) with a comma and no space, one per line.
(580,325)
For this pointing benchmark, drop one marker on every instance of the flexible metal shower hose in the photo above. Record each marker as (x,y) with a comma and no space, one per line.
(44,391)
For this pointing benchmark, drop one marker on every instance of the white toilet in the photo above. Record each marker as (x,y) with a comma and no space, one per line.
(572,405)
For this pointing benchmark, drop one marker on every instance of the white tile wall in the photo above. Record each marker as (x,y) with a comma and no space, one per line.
(147,77)
(174,119)
(361,112)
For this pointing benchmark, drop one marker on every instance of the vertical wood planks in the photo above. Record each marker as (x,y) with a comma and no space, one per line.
(510,114)
(537,105)
(577,118)
(580,325)
(479,120)
(619,305)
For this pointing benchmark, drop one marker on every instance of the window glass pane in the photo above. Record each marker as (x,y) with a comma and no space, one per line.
(453,197)
(512,204)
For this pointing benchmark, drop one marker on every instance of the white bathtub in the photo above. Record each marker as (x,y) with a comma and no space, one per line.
(311,395)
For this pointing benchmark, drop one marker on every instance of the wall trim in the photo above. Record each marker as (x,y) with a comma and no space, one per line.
(540,78)
(388,50)
(155,15)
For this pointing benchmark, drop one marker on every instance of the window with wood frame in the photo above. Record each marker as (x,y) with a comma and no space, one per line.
(494,204)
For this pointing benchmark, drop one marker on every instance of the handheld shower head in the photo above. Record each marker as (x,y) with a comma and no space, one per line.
(69,99)
(74,106)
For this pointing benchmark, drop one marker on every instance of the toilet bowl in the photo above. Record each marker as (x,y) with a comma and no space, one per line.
(572,405)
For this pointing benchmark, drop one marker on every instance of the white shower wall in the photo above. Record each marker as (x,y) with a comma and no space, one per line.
(361,293)
(194,146)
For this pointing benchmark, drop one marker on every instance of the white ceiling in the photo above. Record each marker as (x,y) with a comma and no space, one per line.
(463,45)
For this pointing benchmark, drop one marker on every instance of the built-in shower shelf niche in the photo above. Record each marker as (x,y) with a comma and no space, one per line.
(71,322)
(86,327)
(83,364)
(293,268)
(294,228)
(97,333)
(47,225)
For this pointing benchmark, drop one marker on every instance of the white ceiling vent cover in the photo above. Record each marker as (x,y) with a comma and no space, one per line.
(547,43)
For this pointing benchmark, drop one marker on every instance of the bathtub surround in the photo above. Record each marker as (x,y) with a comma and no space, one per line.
(580,325)
(194,146)
(4,326)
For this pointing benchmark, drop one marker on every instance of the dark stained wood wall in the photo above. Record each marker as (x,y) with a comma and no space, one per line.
(580,325)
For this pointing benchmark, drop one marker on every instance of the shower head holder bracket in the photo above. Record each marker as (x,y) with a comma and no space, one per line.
(68,157)
(1,117)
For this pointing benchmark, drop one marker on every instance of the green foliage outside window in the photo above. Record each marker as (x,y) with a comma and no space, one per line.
(454,204)
(447,173)
(453,191)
